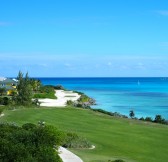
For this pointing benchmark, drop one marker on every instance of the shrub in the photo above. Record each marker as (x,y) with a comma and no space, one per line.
(1,110)
(148,119)
(1,101)
(46,92)
(29,143)
(84,98)
(59,87)
(159,119)
(46,89)
(36,102)
(5,100)
(29,126)
(70,103)
(74,141)
(142,118)
(45,95)
(118,160)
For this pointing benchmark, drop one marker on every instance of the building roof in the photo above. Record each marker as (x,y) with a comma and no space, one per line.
(7,87)
(2,78)
(7,80)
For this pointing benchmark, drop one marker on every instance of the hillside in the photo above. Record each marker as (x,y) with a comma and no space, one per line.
(114,138)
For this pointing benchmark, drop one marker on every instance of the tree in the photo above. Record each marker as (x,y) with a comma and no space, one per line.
(24,90)
(132,114)
(159,119)
(36,84)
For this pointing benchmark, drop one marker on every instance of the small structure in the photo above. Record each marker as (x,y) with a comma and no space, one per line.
(8,84)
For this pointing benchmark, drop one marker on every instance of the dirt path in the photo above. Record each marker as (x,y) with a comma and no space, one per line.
(68,156)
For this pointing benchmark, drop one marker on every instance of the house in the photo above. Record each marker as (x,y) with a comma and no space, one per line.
(8,84)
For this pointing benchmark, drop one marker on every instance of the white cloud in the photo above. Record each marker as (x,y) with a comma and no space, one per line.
(43,65)
(124,67)
(163,12)
(164,44)
(109,63)
(3,23)
(67,65)
(140,64)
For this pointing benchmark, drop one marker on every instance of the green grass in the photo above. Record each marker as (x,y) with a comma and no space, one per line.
(50,95)
(114,138)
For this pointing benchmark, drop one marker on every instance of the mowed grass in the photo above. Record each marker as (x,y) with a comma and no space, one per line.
(114,138)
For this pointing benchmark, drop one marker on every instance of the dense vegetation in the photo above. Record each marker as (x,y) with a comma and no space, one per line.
(158,118)
(29,143)
(27,92)
(1,110)
(35,143)
(5,100)
(45,92)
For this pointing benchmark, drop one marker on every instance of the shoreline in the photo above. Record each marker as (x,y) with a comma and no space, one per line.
(62,98)
(109,91)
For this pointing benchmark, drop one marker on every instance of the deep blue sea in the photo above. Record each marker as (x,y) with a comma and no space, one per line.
(146,96)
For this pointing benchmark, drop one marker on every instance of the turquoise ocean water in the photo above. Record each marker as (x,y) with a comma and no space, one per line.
(146,96)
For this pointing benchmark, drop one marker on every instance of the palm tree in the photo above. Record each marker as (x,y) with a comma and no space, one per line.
(132,114)
(35,84)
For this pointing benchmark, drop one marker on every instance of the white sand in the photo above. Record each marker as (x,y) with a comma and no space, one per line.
(62,98)
(68,156)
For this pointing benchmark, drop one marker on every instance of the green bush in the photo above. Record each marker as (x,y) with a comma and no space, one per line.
(45,95)
(29,143)
(1,110)
(142,118)
(5,100)
(46,92)
(84,98)
(74,141)
(70,103)
(1,101)
(36,102)
(148,119)
(29,126)
(118,160)
(159,119)
(59,87)
(46,89)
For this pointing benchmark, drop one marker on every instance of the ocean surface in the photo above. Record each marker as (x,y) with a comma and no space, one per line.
(146,96)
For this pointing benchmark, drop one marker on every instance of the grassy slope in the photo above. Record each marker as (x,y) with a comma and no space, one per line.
(114,138)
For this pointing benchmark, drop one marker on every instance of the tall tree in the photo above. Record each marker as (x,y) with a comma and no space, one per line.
(24,90)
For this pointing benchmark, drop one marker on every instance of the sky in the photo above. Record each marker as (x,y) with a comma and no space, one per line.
(84,38)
